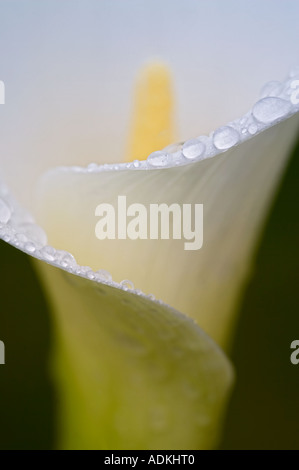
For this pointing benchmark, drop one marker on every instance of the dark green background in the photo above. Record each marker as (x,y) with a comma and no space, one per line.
(264,410)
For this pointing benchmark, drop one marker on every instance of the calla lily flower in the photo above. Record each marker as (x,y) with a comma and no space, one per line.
(134,372)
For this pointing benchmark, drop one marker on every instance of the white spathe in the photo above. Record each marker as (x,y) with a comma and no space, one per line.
(69,72)
(134,373)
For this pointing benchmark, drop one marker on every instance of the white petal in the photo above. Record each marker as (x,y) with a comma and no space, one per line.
(69,70)
(132,373)
(235,188)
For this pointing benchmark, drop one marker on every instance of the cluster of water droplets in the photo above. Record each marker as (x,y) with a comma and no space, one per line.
(275,104)
(18,228)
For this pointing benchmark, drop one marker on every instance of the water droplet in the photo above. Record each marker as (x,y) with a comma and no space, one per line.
(85,269)
(151,297)
(173,148)
(30,247)
(91,275)
(33,232)
(68,260)
(270,109)
(48,252)
(158,159)
(65,259)
(193,149)
(127,284)
(5,212)
(138,292)
(136,163)
(225,137)
(104,275)
(92,166)
(252,129)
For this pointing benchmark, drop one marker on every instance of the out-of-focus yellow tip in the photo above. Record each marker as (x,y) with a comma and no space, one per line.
(153,116)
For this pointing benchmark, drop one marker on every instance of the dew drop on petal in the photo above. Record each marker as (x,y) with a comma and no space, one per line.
(173,148)
(138,292)
(104,275)
(85,269)
(252,129)
(33,232)
(91,275)
(158,159)
(270,109)
(68,260)
(193,149)
(127,284)
(48,253)
(30,247)
(225,137)
(64,259)
(5,212)
(92,166)
(151,297)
